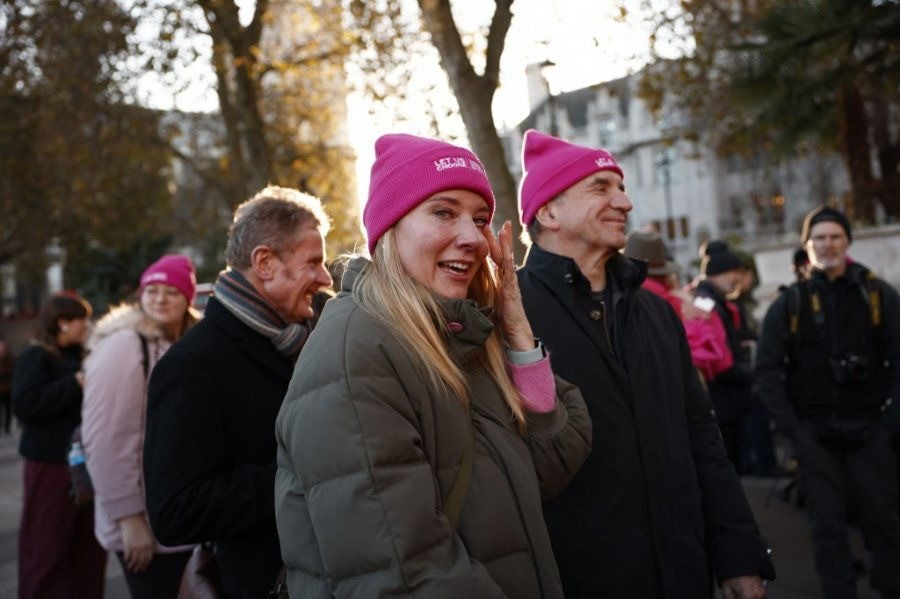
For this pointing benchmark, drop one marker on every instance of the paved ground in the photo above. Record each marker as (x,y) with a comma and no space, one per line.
(10,509)
(784,527)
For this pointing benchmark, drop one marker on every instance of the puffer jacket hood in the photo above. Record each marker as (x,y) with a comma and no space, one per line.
(121,317)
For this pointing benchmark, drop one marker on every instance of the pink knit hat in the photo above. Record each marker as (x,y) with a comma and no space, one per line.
(175,270)
(551,165)
(409,170)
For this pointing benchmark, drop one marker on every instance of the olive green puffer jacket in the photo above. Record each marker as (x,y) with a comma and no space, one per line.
(368,449)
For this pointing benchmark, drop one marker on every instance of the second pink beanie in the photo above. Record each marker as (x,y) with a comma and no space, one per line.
(551,165)
(410,169)
(175,270)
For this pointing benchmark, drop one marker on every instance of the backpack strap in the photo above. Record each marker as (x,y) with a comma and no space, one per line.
(874,299)
(454,501)
(795,299)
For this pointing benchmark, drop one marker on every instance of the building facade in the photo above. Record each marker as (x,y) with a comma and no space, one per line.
(679,186)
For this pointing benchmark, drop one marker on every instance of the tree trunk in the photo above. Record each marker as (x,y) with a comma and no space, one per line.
(475,95)
(246,130)
(237,172)
(888,155)
(253,131)
(475,109)
(854,136)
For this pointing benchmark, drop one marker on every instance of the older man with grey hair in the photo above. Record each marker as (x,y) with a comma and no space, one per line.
(209,452)
(657,510)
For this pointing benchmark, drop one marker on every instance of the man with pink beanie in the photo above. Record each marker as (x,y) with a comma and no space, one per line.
(657,510)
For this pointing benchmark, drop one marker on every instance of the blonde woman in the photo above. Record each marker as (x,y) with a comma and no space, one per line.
(125,346)
(422,426)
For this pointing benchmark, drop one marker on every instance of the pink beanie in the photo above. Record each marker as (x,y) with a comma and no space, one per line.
(409,170)
(174,270)
(551,165)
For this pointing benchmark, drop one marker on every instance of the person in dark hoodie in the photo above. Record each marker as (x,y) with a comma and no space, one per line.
(828,360)
(57,549)
(657,510)
(209,449)
(731,391)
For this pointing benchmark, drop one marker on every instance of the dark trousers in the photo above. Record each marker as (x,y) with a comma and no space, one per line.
(160,580)
(6,411)
(866,474)
(758,454)
(58,554)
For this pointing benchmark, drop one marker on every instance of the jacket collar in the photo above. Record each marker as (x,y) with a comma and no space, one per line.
(655,287)
(469,326)
(124,316)
(354,269)
(253,345)
(708,289)
(561,272)
(855,274)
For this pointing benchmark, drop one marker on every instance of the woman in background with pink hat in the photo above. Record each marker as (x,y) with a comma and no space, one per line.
(423,425)
(125,346)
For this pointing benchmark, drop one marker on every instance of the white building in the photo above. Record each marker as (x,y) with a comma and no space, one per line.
(677,185)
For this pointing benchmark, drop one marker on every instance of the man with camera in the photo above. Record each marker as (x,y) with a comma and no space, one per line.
(828,362)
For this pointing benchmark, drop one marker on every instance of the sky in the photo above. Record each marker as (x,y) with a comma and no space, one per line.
(583,38)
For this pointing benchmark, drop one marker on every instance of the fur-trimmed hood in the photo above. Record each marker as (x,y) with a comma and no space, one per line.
(123,316)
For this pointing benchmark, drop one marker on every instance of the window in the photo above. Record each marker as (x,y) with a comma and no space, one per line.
(607,132)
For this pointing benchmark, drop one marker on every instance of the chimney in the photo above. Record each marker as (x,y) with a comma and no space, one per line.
(538,89)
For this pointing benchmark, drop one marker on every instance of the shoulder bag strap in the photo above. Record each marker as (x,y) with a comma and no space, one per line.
(454,501)
(145,356)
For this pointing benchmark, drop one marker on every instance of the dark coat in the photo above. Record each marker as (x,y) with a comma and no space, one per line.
(369,448)
(658,494)
(46,399)
(731,391)
(209,451)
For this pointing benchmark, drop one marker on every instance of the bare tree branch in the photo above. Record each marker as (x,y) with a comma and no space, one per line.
(496,40)
(254,30)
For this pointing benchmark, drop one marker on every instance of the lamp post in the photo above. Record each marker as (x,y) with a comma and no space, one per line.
(545,67)
(664,163)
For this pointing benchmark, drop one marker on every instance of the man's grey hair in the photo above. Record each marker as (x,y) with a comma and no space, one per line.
(530,233)
(273,218)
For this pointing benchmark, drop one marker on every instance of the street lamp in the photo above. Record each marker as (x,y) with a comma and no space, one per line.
(545,68)
(664,163)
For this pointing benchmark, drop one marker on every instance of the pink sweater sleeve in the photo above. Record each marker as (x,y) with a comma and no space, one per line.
(536,385)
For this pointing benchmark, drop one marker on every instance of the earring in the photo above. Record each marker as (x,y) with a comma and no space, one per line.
(64,328)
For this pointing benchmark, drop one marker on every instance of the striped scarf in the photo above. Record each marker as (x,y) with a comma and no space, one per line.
(244,302)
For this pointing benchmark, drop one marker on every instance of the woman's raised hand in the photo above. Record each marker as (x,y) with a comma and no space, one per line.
(516,328)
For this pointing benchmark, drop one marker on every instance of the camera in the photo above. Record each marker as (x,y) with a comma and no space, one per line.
(849,369)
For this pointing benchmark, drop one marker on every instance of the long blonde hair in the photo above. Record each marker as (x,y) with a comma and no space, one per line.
(386,290)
